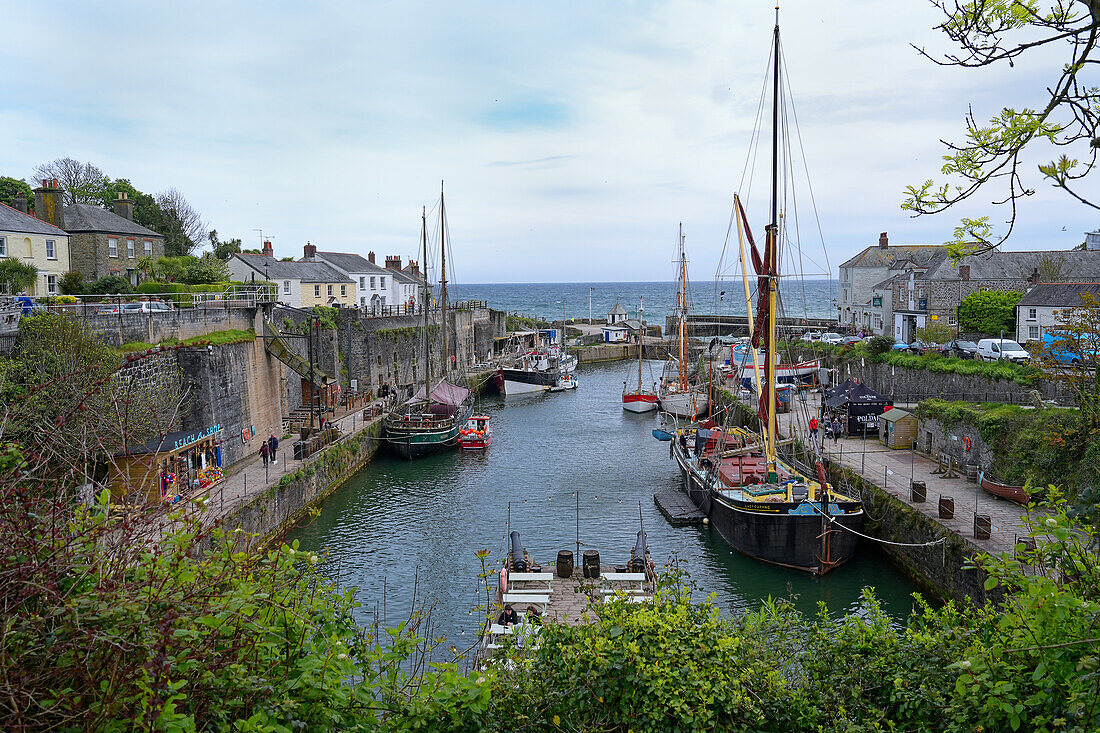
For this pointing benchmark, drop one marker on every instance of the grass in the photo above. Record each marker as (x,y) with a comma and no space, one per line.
(214,338)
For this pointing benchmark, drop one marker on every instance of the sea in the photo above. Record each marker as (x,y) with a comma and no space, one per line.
(811,298)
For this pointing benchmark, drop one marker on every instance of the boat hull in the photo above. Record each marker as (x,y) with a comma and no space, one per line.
(788,534)
(413,443)
(1004,491)
(521,381)
(639,401)
(689,405)
(475,443)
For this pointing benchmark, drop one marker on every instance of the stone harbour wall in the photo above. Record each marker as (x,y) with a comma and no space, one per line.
(913,385)
(151,328)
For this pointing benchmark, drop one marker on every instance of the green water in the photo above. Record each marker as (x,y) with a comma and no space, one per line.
(399,524)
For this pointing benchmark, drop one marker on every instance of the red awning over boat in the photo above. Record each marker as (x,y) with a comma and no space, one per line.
(445,393)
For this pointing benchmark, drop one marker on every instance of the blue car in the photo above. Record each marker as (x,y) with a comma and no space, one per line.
(1053,347)
(899,345)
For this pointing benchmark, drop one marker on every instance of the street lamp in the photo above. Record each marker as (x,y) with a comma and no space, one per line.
(590,289)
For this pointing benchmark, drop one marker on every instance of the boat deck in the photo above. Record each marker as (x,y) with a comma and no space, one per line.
(678,508)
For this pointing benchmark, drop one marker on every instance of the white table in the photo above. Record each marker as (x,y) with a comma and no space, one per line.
(530,578)
(627,580)
(497,630)
(529,599)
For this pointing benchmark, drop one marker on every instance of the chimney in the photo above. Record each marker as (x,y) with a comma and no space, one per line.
(414,268)
(124,207)
(267,250)
(370,257)
(964,272)
(309,252)
(19,202)
(1035,277)
(48,205)
(393,262)
(883,240)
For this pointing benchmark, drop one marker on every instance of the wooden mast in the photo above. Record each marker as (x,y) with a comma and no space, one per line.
(425,295)
(771,248)
(641,335)
(443,281)
(683,309)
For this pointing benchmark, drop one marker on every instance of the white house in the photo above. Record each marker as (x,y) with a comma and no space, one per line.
(613,334)
(616,315)
(1042,308)
(375,287)
(34,242)
(300,284)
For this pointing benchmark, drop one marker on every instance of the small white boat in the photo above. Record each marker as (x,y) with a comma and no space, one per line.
(567,381)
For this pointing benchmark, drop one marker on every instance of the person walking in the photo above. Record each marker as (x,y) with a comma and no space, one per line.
(813,430)
(836,430)
(265,451)
(273,447)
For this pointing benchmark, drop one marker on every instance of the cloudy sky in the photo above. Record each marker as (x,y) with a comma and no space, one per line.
(573,136)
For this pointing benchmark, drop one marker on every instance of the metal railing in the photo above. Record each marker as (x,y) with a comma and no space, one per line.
(119,304)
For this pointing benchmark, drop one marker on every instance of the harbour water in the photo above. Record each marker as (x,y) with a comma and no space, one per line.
(811,298)
(397,523)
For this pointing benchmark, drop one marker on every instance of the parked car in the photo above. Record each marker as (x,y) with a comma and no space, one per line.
(1054,348)
(811,336)
(899,345)
(146,306)
(29,306)
(831,338)
(1002,350)
(920,347)
(961,349)
(850,340)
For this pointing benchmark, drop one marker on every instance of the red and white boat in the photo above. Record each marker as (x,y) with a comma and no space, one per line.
(477,435)
(639,399)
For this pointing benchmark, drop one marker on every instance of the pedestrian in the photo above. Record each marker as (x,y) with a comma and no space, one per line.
(836,430)
(273,447)
(813,430)
(265,451)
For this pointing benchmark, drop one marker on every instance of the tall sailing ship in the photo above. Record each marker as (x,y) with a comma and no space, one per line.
(679,394)
(640,399)
(433,419)
(763,505)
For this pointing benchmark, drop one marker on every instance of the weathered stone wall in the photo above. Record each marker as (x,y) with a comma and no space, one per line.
(88,253)
(237,386)
(151,328)
(934,437)
(913,385)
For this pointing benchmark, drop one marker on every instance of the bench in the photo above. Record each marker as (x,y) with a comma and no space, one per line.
(626,581)
(530,599)
(531,578)
(628,599)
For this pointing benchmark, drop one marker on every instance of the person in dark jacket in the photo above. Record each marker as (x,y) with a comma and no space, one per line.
(508,616)
(265,451)
(273,446)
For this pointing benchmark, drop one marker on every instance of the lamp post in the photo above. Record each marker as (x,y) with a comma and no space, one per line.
(590,289)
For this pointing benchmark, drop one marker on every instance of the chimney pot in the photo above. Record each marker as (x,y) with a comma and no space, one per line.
(1036,278)
(309,252)
(55,183)
(393,262)
(370,257)
(48,206)
(883,240)
(124,207)
(268,250)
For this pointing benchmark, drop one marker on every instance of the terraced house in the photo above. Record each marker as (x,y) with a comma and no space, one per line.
(101,242)
(300,284)
(34,242)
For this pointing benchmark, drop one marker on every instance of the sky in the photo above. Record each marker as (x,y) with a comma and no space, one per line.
(572,138)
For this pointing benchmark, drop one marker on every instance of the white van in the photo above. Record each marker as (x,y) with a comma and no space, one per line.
(998,349)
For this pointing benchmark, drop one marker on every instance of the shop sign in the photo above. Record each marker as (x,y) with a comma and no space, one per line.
(196,436)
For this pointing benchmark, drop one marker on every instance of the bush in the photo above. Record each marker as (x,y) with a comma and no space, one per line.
(109,285)
(71,283)
(989,311)
(881,344)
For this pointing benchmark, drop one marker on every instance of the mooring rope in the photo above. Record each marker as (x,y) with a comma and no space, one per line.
(877,539)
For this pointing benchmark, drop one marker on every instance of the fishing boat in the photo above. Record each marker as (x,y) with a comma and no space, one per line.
(534,371)
(678,394)
(477,435)
(640,399)
(1018,494)
(431,421)
(566,381)
(762,504)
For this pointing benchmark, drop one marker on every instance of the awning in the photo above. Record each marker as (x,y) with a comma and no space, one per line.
(445,393)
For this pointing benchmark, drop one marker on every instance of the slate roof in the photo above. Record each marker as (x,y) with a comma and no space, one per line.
(14,220)
(349,262)
(92,218)
(890,281)
(921,255)
(403,277)
(307,272)
(998,265)
(618,310)
(1064,295)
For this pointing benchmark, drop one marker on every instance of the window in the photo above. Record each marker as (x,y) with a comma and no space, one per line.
(382,283)
(363,301)
(329,290)
(51,284)
(951,320)
(362,282)
(343,290)
(51,250)
(1031,314)
(3,246)
(1033,332)
(286,287)
(112,247)
(148,248)
(316,291)
(130,248)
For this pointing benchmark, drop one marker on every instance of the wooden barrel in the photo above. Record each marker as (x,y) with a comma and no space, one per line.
(947,507)
(972,472)
(918,492)
(982,526)
(590,564)
(565,563)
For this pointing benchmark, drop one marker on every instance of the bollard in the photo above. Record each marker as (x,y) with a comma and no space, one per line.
(982,526)
(918,492)
(947,507)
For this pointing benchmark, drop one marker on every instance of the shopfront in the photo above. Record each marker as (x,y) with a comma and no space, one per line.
(184,463)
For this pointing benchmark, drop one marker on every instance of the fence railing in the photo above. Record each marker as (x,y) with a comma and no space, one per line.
(119,304)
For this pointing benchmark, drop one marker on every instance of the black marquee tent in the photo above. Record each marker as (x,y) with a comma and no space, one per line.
(857,405)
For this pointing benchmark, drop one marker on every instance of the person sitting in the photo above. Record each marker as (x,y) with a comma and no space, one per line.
(508,617)
(534,615)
